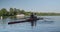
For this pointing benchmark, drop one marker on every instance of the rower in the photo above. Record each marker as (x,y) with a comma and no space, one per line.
(32,16)
(35,16)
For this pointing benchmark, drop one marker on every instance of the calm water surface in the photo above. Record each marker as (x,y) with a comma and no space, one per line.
(51,24)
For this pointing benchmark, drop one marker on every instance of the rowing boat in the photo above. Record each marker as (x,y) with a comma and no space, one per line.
(27,20)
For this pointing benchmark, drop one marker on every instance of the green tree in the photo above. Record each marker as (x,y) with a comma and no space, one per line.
(11,11)
(3,12)
(22,11)
(18,11)
(15,11)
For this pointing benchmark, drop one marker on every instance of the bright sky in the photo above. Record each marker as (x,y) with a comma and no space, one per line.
(32,5)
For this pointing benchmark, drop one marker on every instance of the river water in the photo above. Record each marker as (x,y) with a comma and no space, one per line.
(49,24)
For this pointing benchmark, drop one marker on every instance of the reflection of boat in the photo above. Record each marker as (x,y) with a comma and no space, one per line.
(27,20)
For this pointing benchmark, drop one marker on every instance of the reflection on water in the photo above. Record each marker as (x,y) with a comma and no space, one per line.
(46,22)
(33,23)
(50,25)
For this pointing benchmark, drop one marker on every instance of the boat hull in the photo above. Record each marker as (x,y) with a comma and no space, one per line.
(28,20)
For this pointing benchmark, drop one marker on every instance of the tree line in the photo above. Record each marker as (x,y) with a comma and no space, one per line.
(11,12)
(14,11)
